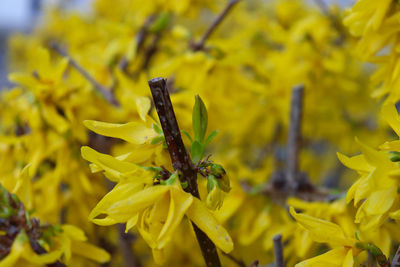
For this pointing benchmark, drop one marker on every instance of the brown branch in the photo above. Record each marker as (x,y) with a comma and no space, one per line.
(107,94)
(278,250)
(294,136)
(196,46)
(396,259)
(180,160)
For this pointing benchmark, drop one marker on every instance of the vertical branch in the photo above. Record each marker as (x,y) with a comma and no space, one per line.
(200,45)
(294,136)
(278,250)
(180,159)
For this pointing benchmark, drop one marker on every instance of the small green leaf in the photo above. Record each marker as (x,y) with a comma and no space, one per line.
(157,140)
(211,137)
(171,180)
(356,235)
(211,183)
(199,119)
(217,170)
(184,184)
(374,250)
(160,23)
(394,156)
(151,168)
(187,135)
(157,129)
(197,151)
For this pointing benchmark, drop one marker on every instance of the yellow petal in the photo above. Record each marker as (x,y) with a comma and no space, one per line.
(43,259)
(54,118)
(23,188)
(348,260)
(203,219)
(332,258)
(158,256)
(114,167)
(124,209)
(73,232)
(389,112)
(357,163)
(392,145)
(180,201)
(90,251)
(131,222)
(395,215)
(322,231)
(120,192)
(143,105)
(373,156)
(132,132)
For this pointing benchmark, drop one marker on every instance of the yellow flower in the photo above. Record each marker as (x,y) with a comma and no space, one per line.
(158,210)
(376,187)
(326,232)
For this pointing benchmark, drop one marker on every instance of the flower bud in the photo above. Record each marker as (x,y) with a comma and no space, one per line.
(215,197)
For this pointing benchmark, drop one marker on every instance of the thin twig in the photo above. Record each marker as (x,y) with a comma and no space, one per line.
(150,51)
(239,263)
(180,159)
(396,259)
(140,39)
(200,45)
(278,250)
(107,94)
(294,136)
(143,32)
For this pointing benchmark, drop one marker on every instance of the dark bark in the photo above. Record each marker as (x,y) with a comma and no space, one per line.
(180,159)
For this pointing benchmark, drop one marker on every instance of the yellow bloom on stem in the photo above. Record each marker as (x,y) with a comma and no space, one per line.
(157,211)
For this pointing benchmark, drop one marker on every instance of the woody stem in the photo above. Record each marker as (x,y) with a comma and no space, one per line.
(180,159)
(294,138)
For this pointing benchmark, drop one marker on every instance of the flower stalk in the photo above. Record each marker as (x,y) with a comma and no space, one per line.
(181,160)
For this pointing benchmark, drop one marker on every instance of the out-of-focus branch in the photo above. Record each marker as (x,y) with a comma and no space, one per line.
(278,250)
(196,46)
(125,245)
(294,136)
(140,39)
(106,93)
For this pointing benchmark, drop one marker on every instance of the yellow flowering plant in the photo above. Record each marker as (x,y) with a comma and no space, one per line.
(283,81)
